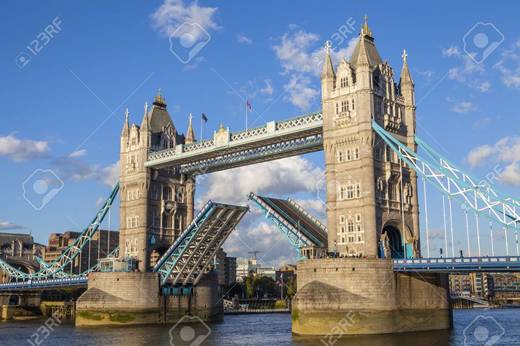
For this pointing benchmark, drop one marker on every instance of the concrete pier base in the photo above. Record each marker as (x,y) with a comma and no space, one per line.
(122,298)
(346,296)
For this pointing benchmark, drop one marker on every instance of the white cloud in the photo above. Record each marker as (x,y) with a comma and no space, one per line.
(9,226)
(23,149)
(241,38)
(509,66)
(451,51)
(461,106)
(506,151)
(467,72)
(274,249)
(484,86)
(301,58)
(479,155)
(511,174)
(300,92)
(176,19)
(268,88)
(72,168)
(78,153)
(281,177)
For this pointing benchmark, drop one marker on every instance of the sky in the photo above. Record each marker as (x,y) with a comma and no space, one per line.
(70,69)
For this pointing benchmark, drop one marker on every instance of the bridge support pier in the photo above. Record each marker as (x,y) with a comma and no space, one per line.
(125,298)
(350,296)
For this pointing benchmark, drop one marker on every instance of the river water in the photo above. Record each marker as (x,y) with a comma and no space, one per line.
(471,327)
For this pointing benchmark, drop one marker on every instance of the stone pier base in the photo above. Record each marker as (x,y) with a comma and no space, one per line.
(345,296)
(122,298)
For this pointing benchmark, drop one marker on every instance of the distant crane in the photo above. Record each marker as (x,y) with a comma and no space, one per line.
(253,253)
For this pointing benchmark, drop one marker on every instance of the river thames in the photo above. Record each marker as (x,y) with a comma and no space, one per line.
(471,327)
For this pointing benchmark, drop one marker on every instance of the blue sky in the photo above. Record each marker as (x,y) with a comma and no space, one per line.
(63,110)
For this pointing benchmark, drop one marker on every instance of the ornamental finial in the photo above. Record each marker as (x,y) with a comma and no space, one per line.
(328,46)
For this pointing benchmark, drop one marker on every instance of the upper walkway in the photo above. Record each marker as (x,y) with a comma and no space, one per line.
(274,140)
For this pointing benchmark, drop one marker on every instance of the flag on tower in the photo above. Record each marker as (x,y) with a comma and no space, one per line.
(204,118)
(248,105)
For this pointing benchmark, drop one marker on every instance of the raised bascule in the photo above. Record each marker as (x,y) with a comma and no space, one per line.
(365,264)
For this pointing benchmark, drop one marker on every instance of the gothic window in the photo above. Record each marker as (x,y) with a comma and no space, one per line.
(350,226)
(360,238)
(342,192)
(344,82)
(358,190)
(167,193)
(155,192)
(348,105)
(358,217)
(353,105)
(356,153)
(342,219)
(349,155)
(340,156)
(342,229)
(343,106)
(350,191)
(350,239)
(337,108)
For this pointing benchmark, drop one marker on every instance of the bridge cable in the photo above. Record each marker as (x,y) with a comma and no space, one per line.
(491,236)
(477,224)
(426,217)
(451,228)
(507,241)
(109,225)
(516,238)
(445,227)
(467,229)
(402,210)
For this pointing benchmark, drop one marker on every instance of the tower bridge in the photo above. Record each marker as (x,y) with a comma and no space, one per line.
(366,259)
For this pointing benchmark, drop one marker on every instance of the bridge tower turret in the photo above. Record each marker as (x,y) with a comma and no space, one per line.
(156,205)
(367,201)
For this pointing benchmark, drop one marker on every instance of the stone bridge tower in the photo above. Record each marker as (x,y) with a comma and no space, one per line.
(372,205)
(156,205)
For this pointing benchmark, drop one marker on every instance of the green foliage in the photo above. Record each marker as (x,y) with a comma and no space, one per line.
(90,315)
(280,304)
(121,318)
(250,289)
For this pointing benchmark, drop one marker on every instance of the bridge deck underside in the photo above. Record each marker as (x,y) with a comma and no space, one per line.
(302,223)
(256,154)
(188,258)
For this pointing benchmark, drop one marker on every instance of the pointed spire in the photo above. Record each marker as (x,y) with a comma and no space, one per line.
(406,77)
(362,57)
(365,30)
(328,68)
(190,135)
(126,125)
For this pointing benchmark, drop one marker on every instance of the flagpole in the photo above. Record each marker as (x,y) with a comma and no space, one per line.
(246,112)
(201,127)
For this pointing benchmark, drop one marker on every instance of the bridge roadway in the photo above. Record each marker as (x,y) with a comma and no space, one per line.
(459,264)
(433,265)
